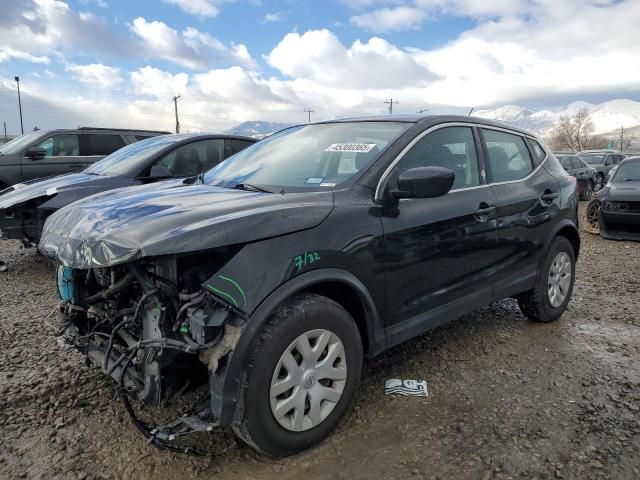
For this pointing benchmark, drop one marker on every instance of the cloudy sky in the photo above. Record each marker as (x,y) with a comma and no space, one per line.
(120,62)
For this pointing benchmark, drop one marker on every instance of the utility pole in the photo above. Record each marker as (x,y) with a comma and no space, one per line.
(5,131)
(390,103)
(175,104)
(621,138)
(309,111)
(19,104)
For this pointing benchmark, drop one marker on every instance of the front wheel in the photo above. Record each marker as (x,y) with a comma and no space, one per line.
(548,300)
(588,191)
(301,376)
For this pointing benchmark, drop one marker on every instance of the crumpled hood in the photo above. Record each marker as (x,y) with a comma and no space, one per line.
(624,192)
(122,225)
(23,192)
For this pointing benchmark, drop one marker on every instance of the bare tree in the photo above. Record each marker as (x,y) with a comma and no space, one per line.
(574,132)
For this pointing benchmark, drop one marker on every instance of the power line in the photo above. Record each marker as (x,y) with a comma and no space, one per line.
(175,104)
(390,103)
(309,111)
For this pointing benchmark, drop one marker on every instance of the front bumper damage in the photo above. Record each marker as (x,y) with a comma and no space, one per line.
(622,222)
(154,340)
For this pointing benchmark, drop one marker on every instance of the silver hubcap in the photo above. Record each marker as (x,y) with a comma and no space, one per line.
(559,279)
(308,380)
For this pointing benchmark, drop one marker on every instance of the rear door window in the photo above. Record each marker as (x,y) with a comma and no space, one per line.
(576,163)
(94,144)
(194,158)
(508,157)
(238,145)
(63,145)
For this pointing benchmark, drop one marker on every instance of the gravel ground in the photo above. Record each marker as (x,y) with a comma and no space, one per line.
(507,398)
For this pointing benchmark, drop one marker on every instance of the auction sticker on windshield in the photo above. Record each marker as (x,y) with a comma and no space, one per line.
(350,147)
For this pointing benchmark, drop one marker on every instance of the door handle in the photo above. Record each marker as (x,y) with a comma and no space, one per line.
(548,197)
(484,211)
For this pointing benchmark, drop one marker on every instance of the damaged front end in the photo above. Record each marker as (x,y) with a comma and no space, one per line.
(152,327)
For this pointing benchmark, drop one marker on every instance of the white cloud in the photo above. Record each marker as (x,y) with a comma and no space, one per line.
(96,74)
(153,82)
(8,53)
(319,55)
(200,8)
(190,48)
(390,19)
(272,18)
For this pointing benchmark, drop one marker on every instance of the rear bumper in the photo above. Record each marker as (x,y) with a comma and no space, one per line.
(620,225)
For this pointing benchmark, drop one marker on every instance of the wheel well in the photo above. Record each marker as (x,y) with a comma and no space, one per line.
(572,235)
(348,297)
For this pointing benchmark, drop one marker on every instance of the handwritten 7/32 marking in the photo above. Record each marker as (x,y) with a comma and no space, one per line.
(305,260)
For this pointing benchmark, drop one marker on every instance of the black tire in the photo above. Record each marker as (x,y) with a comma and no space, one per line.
(588,193)
(303,313)
(535,303)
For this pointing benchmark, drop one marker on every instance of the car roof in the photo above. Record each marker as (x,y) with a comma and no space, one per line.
(177,136)
(100,130)
(430,120)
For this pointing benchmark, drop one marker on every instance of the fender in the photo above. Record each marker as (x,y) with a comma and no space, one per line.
(226,385)
(564,223)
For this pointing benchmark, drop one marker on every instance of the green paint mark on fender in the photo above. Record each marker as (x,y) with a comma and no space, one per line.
(235,284)
(305,260)
(223,294)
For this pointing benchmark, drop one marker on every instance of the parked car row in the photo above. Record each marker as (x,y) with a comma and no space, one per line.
(267,277)
(24,207)
(55,152)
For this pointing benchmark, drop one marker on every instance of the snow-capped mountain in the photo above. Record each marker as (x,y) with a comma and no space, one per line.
(257,129)
(605,117)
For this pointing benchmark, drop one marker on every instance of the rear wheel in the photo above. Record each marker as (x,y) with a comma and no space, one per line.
(548,300)
(301,376)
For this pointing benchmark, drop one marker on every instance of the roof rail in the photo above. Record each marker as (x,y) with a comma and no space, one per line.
(123,129)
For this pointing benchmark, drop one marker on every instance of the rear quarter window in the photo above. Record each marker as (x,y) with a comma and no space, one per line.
(539,153)
(100,144)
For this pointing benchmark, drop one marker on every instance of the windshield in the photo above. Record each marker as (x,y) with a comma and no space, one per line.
(592,159)
(320,156)
(19,143)
(129,159)
(627,172)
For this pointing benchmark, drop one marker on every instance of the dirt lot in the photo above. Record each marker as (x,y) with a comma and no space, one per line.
(507,398)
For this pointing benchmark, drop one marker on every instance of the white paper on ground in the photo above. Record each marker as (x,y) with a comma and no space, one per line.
(412,388)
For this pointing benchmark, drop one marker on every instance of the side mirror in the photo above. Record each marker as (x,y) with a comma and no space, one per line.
(160,171)
(36,153)
(424,182)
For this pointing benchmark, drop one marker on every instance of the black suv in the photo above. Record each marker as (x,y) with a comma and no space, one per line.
(44,153)
(268,280)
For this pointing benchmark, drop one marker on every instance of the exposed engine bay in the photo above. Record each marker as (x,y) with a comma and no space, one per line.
(153,328)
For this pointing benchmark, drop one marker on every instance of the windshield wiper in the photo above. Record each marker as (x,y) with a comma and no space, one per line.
(249,187)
